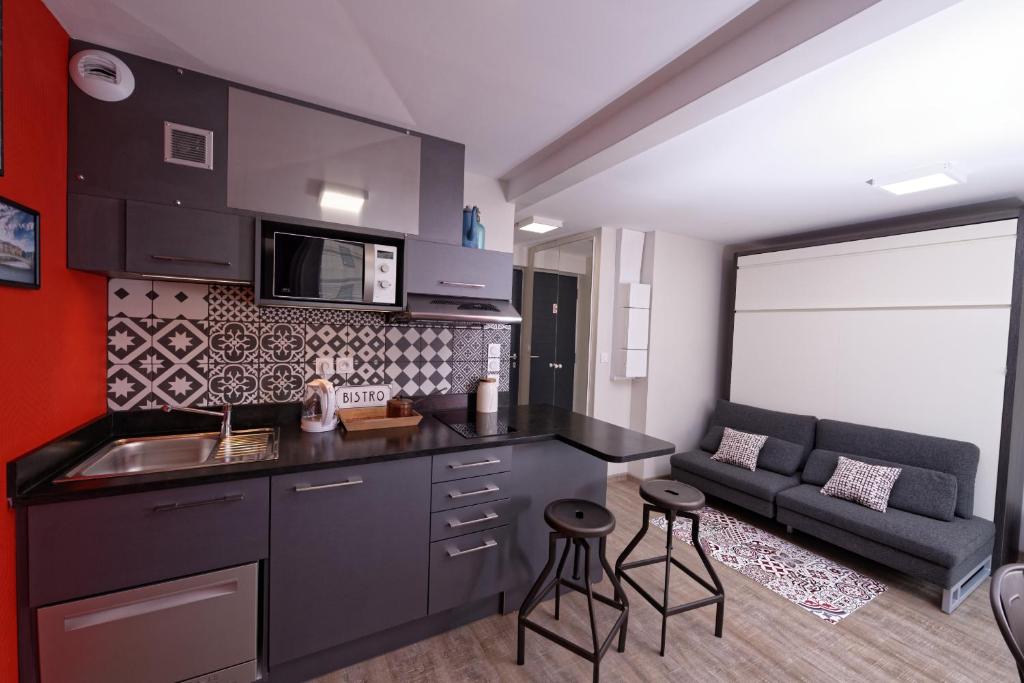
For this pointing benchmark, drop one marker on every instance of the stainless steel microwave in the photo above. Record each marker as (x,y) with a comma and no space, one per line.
(307,265)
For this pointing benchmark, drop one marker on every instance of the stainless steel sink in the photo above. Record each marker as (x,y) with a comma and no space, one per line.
(145,455)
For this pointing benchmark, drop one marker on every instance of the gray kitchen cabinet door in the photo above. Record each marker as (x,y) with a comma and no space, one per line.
(116,149)
(444,269)
(178,242)
(468,568)
(350,554)
(442,185)
(96,233)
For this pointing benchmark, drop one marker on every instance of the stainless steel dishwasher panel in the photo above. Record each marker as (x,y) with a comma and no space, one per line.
(170,631)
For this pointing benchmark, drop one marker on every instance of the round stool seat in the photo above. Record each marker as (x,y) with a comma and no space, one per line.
(579,518)
(669,494)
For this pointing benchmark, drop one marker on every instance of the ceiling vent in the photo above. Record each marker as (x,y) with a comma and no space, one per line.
(101,75)
(188,146)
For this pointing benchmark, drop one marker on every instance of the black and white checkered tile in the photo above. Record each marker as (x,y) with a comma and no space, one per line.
(193,344)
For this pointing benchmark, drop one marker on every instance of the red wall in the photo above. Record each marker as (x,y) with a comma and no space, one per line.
(51,339)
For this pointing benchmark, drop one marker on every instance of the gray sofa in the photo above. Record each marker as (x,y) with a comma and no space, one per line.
(929,530)
(790,440)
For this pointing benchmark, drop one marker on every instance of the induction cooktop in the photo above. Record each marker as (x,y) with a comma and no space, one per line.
(476,426)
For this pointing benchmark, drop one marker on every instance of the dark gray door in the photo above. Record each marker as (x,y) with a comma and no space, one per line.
(553,339)
(514,347)
(351,553)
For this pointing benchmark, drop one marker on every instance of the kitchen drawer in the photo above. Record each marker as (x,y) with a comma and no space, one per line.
(462,492)
(447,269)
(475,463)
(459,521)
(181,242)
(163,633)
(469,567)
(82,548)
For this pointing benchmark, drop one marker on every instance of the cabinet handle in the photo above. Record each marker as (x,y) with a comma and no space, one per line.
(189,259)
(451,283)
(319,487)
(490,488)
(489,543)
(464,465)
(455,523)
(183,506)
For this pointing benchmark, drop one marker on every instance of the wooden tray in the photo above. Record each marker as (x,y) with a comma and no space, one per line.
(364,419)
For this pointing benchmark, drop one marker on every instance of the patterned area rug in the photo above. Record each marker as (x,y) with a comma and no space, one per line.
(819,585)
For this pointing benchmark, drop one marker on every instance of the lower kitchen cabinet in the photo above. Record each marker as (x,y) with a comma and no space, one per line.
(349,554)
(469,567)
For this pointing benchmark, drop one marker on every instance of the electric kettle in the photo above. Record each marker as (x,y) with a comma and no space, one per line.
(318,407)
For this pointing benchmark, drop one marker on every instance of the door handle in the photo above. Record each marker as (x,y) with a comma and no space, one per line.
(489,543)
(451,283)
(189,259)
(319,487)
(158,603)
(170,507)
(490,488)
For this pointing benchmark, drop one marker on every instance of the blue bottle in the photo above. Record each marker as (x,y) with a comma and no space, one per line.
(473,230)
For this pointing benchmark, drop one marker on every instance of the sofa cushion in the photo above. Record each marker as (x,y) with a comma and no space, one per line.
(758,483)
(944,543)
(739,448)
(778,455)
(918,489)
(798,429)
(958,458)
(861,483)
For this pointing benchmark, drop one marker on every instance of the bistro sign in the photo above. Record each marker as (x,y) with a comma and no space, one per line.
(365,396)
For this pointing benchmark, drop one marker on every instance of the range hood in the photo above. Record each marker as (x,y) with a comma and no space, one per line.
(459,309)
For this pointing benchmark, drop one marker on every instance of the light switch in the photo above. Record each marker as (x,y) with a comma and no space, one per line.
(494,350)
(605,358)
(493,365)
(344,365)
(325,366)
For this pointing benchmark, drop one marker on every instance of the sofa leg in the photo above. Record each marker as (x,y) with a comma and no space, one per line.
(958,592)
(789,529)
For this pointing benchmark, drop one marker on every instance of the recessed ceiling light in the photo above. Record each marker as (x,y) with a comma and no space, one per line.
(342,198)
(919,180)
(538,224)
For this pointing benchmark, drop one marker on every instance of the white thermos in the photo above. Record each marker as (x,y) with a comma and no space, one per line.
(487,395)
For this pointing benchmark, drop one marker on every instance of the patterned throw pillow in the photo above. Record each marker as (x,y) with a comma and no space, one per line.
(739,448)
(868,485)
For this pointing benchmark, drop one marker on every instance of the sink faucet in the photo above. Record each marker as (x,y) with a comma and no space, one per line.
(224,414)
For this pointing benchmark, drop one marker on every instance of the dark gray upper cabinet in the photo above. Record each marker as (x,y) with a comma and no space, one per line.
(351,554)
(444,269)
(442,181)
(116,149)
(178,242)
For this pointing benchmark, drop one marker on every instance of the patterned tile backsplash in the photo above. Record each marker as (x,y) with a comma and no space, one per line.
(193,344)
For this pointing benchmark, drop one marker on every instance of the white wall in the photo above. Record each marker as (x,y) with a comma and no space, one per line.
(906,332)
(676,398)
(497,215)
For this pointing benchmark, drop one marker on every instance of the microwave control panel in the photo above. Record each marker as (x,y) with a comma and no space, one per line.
(385,273)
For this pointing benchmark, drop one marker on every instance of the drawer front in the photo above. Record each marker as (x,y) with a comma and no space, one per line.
(180,242)
(469,567)
(462,492)
(459,521)
(82,548)
(445,269)
(475,463)
(170,631)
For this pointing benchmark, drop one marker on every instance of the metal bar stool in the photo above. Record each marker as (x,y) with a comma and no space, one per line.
(575,521)
(673,498)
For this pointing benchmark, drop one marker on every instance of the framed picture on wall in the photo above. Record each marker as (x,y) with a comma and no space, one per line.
(19,245)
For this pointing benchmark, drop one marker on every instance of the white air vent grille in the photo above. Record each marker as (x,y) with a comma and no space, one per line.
(188,146)
(95,66)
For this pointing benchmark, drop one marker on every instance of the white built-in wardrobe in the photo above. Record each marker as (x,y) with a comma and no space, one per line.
(907,332)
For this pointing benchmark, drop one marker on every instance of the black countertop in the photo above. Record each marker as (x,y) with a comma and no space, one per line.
(30,477)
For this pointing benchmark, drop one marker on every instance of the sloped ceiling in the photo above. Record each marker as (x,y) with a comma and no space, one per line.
(506,77)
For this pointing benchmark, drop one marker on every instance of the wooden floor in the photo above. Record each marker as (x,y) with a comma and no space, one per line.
(901,635)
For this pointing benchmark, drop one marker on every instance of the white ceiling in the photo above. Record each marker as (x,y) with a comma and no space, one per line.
(506,77)
(949,88)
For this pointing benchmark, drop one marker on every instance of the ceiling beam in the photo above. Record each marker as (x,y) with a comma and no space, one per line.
(770,44)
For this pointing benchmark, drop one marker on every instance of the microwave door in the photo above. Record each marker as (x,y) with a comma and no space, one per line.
(341,271)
